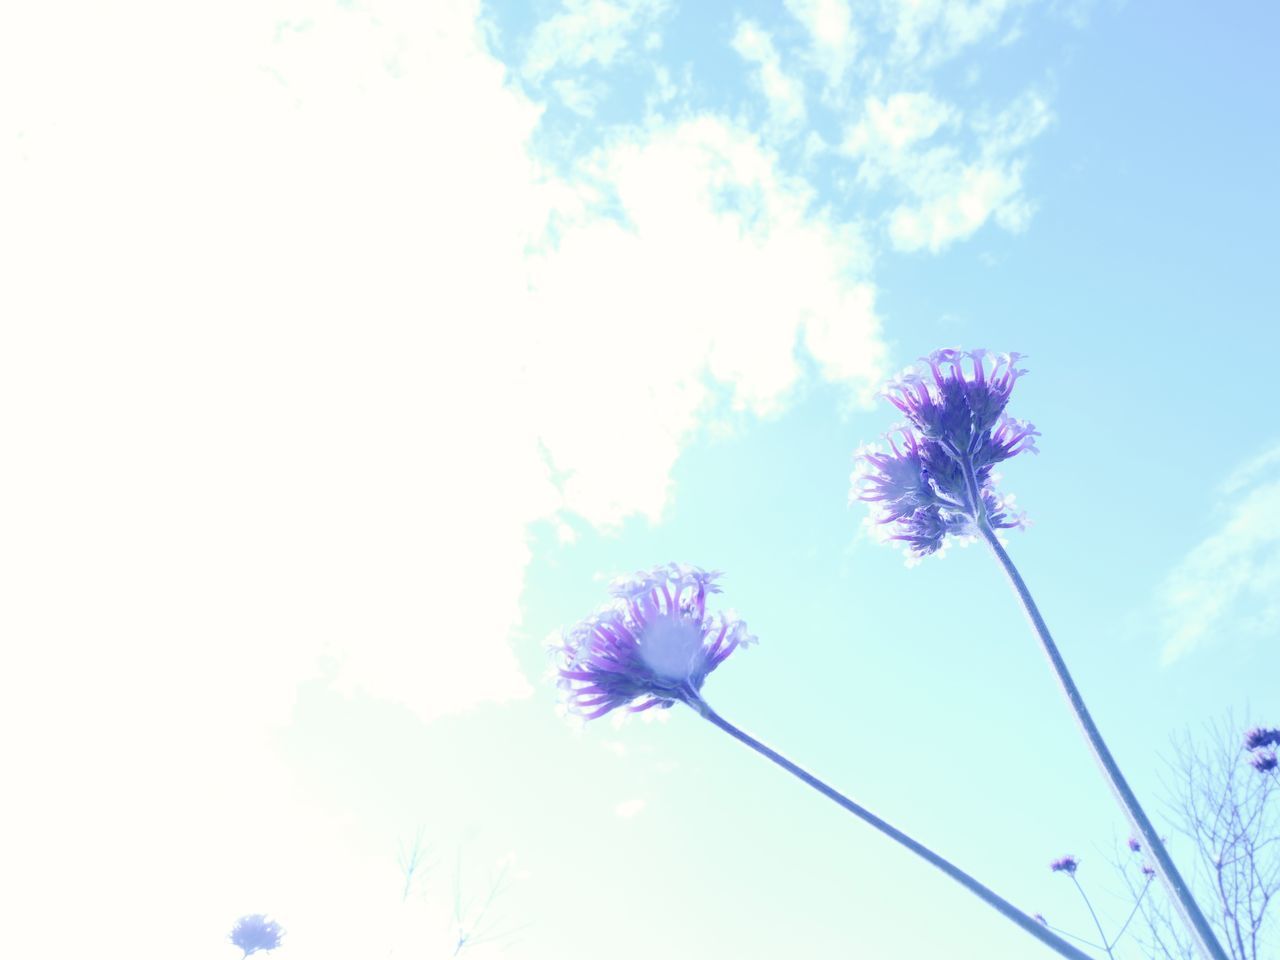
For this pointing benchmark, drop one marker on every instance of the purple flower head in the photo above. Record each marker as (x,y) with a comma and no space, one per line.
(1261,737)
(255,932)
(1064,865)
(951,406)
(936,477)
(1263,760)
(1134,844)
(897,479)
(652,646)
(1039,918)
(1148,870)
(925,530)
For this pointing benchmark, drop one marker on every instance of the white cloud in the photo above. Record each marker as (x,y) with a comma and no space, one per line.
(718,269)
(928,32)
(1230,581)
(1249,472)
(588,31)
(949,194)
(580,96)
(265,390)
(894,124)
(276,411)
(832,38)
(784,93)
(628,809)
(956,200)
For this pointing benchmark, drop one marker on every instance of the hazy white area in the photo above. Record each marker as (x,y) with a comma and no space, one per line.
(299,340)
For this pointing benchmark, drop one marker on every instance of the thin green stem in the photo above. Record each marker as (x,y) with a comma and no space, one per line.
(1201,932)
(1106,945)
(1008,910)
(1067,933)
(1132,913)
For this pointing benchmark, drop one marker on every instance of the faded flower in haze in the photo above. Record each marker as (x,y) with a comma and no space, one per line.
(936,478)
(1064,865)
(653,645)
(255,932)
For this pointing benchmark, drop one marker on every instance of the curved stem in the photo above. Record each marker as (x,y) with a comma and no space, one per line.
(1179,892)
(1106,944)
(1132,913)
(1036,929)
(1067,933)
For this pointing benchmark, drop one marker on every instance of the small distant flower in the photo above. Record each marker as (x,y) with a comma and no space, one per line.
(936,478)
(1261,737)
(652,646)
(1064,865)
(1134,844)
(1148,870)
(1263,760)
(255,932)
(1039,918)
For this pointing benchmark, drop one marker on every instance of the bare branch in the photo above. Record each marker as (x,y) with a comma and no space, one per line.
(1229,811)
(473,920)
(412,859)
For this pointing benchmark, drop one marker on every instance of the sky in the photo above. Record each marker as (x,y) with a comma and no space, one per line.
(350,349)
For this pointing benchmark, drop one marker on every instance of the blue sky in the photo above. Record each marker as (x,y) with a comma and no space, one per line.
(353,347)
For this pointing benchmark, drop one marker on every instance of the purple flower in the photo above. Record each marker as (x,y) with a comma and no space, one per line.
(255,932)
(1263,760)
(898,479)
(1148,870)
(936,478)
(1064,865)
(956,408)
(1134,844)
(1039,918)
(1261,737)
(652,646)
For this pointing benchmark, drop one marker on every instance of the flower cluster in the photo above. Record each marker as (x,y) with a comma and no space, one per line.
(936,477)
(1136,846)
(255,932)
(652,646)
(1262,741)
(1064,865)
(1264,760)
(1261,737)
